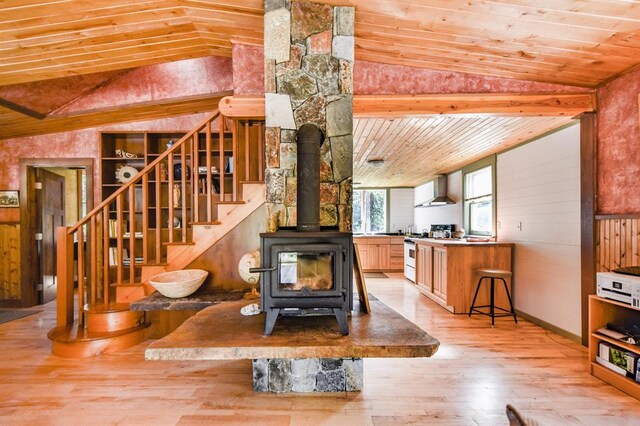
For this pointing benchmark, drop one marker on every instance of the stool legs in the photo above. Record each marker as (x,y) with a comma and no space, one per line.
(473,303)
(492,307)
(513,312)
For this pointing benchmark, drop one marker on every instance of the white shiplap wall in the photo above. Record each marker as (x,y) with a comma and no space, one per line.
(400,208)
(452,213)
(538,186)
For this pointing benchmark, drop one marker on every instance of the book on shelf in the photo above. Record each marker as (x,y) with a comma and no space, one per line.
(618,360)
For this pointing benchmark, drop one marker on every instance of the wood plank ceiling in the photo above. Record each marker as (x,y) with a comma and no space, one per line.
(415,150)
(558,41)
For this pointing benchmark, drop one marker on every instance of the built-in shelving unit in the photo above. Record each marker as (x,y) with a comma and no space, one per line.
(602,311)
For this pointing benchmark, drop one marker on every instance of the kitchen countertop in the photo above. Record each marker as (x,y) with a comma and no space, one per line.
(454,242)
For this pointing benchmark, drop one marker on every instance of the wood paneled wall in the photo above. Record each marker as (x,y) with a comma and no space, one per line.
(9,262)
(617,242)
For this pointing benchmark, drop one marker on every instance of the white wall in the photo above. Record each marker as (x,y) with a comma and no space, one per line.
(400,208)
(424,217)
(538,185)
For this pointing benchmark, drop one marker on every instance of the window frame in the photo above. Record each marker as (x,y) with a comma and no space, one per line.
(466,202)
(387,208)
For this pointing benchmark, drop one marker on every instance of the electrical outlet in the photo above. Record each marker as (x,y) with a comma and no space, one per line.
(519,226)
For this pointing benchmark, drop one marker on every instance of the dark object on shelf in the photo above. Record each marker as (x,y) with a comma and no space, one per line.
(628,270)
(177,171)
(628,329)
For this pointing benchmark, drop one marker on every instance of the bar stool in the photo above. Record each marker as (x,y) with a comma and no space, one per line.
(493,274)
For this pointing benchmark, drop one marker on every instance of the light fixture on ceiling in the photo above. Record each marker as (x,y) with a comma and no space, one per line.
(376,161)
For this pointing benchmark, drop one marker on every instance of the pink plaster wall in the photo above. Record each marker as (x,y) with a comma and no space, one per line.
(248,69)
(48,95)
(619,146)
(374,78)
(162,81)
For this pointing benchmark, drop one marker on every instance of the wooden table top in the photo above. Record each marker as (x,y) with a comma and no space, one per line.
(221,332)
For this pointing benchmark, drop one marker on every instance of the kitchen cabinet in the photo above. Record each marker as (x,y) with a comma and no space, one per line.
(381,253)
(445,271)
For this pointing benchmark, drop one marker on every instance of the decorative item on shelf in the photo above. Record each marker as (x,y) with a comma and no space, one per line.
(177,171)
(125,173)
(124,154)
(164,175)
(176,223)
(176,195)
(177,284)
(458,234)
(202,170)
(229,168)
(169,144)
(247,261)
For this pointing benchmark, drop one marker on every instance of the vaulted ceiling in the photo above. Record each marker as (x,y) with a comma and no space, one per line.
(574,42)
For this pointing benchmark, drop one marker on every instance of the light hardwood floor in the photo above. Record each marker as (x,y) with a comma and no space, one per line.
(476,372)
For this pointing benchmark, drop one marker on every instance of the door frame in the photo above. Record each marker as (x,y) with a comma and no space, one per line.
(28,217)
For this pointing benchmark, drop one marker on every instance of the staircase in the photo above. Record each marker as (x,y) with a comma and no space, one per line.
(152,224)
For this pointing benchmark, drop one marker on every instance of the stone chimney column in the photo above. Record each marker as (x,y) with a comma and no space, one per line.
(308,69)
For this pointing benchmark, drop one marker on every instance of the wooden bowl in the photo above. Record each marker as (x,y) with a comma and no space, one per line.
(177,284)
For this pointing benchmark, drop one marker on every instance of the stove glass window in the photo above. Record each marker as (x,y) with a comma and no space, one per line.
(313,271)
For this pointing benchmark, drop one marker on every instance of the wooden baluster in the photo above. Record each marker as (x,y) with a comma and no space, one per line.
(183,194)
(81,289)
(209,190)
(106,235)
(170,197)
(247,152)
(132,233)
(234,160)
(158,214)
(260,152)
(195,178)
(145,217)
(119,232)
(221,152)
(64,267)
(93,258)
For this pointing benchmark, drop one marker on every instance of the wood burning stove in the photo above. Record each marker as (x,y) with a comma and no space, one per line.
(306,273)
(307,270)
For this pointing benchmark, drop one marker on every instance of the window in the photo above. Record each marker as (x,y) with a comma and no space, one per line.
(369,210)
(478,201)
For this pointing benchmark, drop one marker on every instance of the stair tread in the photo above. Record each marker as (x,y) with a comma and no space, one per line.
(101,308)
(75,333)
(217,222)
(137,284)
(252,181)
(180,243)
(229,202)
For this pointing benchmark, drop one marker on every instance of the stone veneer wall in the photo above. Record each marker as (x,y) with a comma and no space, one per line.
(308,75)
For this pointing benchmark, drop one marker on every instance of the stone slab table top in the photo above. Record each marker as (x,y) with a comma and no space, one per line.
(221,332)
(195,302)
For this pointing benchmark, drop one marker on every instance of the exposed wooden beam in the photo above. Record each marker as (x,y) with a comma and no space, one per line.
(516,104)
(18,125)
(21,109)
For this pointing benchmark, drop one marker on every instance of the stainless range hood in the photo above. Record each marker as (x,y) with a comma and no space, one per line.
(439,194)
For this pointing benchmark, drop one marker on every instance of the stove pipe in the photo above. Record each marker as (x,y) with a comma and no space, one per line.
(310,139)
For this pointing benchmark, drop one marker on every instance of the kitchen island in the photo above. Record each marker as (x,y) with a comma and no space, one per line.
(446,271)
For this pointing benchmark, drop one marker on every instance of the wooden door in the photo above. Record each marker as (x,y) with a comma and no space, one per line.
(440,272)
(384,256)
(424,267)
(51,200)
(363,250)
(373,257)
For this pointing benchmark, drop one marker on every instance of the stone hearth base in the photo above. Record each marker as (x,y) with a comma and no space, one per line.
(281,375)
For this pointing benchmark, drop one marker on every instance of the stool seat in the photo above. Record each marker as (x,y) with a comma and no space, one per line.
(492,275)
(495,273)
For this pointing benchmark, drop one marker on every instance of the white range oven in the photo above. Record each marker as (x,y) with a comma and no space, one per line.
(410,260)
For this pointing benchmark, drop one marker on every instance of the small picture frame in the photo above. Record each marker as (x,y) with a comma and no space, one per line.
(9,199)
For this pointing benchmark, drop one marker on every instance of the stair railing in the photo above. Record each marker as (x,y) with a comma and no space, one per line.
(156,208)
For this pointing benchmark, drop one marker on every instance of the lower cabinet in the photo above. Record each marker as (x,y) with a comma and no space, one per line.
(381,253)
(446,272)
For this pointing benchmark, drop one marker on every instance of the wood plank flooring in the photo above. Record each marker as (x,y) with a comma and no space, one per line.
(476,372)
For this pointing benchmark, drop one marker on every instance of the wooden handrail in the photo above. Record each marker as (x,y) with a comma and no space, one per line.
(146,170)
